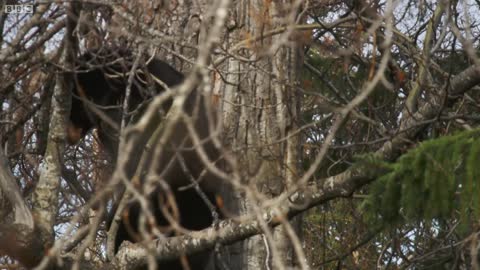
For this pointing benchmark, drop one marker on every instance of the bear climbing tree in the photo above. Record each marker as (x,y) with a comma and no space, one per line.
(100,84)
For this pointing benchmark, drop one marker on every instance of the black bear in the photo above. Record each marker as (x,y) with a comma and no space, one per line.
(100,84)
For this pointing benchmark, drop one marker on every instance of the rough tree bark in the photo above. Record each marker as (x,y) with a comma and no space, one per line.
(260,111)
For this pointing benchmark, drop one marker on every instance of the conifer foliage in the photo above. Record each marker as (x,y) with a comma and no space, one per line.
(430,181)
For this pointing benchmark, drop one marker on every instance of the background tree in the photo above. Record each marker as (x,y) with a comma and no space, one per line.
(349,131)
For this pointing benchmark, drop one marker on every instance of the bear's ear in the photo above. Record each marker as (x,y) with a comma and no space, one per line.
(74,134)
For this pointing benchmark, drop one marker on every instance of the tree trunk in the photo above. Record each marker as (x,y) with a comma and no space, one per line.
(257,128)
